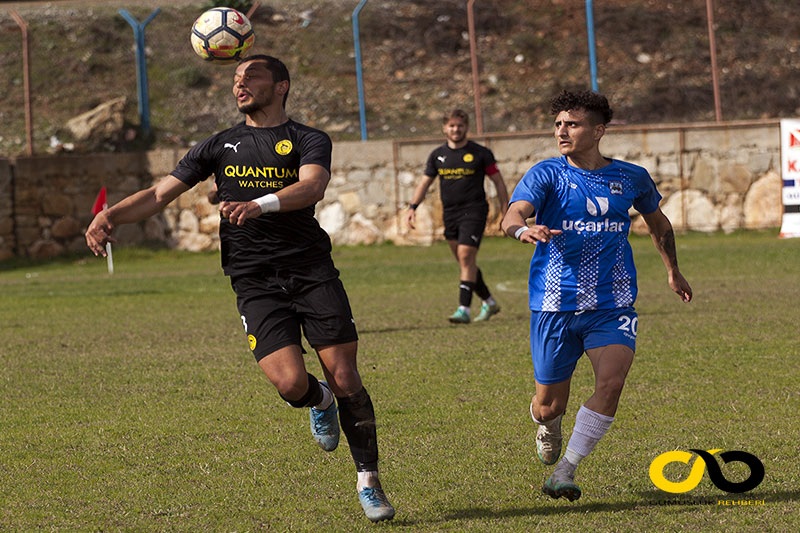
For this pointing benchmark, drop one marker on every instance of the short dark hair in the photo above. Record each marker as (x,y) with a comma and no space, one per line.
(455,113)
(274,65)
(593,103)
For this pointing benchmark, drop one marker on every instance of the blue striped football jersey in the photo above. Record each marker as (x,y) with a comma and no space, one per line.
(590,264)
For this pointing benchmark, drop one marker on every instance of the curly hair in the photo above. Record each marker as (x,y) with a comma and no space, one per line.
(594,103)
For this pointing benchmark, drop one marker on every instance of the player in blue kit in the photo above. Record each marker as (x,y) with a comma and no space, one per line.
(582,282)
(270,171)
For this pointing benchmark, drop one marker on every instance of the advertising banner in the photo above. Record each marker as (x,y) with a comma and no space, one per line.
(790,172)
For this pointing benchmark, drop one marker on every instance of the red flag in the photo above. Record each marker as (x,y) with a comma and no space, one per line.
(100,203)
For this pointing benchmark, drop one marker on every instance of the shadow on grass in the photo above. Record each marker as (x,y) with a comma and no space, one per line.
(645,499)
(145,249)
(443,324)
(656,497)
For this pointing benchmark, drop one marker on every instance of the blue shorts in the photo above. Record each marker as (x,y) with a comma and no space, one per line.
(559,339)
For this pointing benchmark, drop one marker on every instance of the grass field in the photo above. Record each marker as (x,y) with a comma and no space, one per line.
(132,401)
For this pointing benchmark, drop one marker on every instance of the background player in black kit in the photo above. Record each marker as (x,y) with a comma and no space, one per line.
(461,166)
(270,172)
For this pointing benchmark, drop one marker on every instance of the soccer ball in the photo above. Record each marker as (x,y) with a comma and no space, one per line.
(222,35)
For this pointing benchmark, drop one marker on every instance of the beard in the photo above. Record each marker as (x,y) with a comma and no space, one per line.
(256,105)
(252,107)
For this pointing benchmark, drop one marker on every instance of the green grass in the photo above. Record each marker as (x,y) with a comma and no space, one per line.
(132,401)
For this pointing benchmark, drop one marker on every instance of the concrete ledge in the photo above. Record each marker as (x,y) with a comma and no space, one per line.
(712,176)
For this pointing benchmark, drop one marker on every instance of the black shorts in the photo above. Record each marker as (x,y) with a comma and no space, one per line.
(276,304)
(465,225)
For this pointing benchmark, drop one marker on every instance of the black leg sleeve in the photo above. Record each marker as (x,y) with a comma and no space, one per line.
(465,289)
(358,423)
(311,398)
(480,287)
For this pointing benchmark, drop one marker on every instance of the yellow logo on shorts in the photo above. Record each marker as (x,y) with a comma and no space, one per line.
(283,147)
(252,341)
(469,158)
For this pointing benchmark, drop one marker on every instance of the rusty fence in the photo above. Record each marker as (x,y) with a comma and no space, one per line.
(495,59)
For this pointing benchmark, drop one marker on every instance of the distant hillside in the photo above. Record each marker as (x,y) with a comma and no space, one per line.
(653,62)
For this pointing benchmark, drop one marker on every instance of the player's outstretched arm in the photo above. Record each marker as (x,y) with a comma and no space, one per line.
(416,199)
(134,208)
(308,190)
(502,191)
(664,241)
(515,224)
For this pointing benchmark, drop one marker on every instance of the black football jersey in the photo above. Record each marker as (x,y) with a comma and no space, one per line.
(249,162)
(461,174)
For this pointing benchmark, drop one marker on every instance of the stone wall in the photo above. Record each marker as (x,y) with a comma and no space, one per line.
(712,176)
(52,198)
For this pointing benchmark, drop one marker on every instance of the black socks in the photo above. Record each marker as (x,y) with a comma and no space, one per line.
(358,424)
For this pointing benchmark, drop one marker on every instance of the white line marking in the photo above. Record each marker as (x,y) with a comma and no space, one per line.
(503,286)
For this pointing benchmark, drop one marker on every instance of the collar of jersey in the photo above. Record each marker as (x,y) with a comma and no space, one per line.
(244,124)
(602,170)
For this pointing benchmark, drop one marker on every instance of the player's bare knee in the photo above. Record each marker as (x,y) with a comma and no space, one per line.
(346,381)
(290,388)
(551,411)
(610,389)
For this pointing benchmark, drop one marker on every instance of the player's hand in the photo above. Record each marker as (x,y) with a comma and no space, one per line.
(411,218)
(537,234)
(680,286)
(238,212)
(98,234)
(212,197)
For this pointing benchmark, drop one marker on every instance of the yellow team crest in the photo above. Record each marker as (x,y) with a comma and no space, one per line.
(252,341)
(283,147)
(469,158)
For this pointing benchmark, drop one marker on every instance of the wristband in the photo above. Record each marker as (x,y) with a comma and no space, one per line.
(413,207)
(520,231)
(268,203)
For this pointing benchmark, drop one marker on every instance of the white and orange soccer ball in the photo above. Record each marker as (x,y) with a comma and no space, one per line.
(222,35)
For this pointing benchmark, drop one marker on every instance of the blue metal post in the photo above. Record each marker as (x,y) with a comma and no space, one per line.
(141,66)
(592,53)
(362,109)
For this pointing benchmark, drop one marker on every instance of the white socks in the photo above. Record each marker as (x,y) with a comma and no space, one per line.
(589,429)
(327,398)
(550,423)
(367,480)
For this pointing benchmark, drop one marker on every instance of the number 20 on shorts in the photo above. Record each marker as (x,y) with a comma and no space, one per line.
(629,325)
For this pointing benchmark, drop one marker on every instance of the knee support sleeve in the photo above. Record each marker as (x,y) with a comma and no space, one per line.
(312,396)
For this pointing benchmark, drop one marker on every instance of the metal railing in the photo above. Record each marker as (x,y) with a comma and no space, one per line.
(331,86)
